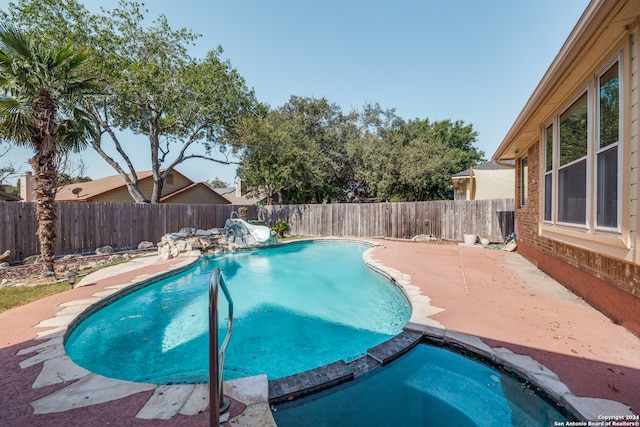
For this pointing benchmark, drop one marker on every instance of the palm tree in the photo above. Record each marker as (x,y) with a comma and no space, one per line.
(40,93)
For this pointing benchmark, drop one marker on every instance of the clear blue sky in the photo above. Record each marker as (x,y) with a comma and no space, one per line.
(470,60)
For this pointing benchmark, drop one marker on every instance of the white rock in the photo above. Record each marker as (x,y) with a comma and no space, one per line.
(90,390)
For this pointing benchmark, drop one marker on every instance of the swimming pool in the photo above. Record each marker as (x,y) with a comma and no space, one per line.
(429,386)
(296,307)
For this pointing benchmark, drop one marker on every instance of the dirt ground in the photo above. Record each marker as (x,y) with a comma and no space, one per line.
(31,274)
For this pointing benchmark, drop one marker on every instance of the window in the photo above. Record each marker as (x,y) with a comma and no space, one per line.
(572,170)
(524,181)
(548,172)
(582,186)
(607,151)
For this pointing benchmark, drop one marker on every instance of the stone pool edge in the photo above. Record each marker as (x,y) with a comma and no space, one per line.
(583,408)
(87,388)
(421,328)
(53,357)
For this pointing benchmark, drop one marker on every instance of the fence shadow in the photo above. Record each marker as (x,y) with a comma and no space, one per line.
(507,223)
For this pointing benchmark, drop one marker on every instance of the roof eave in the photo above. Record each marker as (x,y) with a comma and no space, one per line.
(518,137)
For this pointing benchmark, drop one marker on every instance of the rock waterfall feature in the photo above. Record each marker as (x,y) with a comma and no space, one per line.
(236,234)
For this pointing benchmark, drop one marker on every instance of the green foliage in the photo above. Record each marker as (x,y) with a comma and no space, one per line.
(280,227)
(15,296)
(217,183)
(41,90)
(308,151)
(66,179)
(573,132)
(31,74)
(296,153)
(150,85)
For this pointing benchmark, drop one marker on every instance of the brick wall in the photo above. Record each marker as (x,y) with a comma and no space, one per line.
(526,217)
(609,284)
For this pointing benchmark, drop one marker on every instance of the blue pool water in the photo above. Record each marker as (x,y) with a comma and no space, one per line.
(429,386)
(296,307)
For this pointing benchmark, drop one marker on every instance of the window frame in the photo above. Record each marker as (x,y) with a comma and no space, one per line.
(549,173)
(524,181)
(616,59)
(552,129)
(557,167)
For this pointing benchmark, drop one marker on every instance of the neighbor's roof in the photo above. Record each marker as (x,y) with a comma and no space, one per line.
(91,189)
(229,193)
(226,190)
(191,187)
(482,166)
(4,196)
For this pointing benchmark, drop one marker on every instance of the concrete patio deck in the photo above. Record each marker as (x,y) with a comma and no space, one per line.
(496,296)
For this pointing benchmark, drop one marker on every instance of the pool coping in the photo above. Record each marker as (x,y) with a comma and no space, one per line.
(247,395)
(57,365)
(540,379)
(423,329)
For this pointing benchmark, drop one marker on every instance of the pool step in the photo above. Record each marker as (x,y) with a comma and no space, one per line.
(309,382)
(312,381)
(395,347)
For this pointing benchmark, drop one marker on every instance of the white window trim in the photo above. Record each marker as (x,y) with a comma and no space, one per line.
(619,57)
(586,89)
(552,172)
(524,183)
(588,235)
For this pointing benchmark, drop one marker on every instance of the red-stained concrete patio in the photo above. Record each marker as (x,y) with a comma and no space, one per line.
(495,295)
(507,302)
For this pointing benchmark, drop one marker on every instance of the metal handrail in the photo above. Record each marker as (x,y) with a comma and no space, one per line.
(217,402)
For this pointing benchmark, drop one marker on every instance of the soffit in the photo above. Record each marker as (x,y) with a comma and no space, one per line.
(591,44)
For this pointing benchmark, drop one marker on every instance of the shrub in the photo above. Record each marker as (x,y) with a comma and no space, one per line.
(280,227)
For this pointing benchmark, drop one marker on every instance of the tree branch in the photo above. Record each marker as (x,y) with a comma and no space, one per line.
(132,184)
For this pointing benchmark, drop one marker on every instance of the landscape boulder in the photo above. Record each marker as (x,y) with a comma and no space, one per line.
(193,242)
(104,250)
(145,244)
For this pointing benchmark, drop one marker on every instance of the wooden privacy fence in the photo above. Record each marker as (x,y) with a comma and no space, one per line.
(446,219)
(84,227)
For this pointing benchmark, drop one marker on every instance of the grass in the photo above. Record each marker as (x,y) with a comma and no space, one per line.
(15,296)
(290,238)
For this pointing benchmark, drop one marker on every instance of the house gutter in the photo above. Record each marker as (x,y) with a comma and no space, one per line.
(589,24)
(499,163)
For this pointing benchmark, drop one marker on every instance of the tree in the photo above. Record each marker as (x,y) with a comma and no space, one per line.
(296,153)
(151,86)
(373,154)
(217,183)
(308,151)
(40,89)
(432,153)
(7,172)
(406,161)
(66,179)
(268,156)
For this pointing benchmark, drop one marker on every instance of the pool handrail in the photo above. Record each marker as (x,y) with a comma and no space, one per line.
(217,403)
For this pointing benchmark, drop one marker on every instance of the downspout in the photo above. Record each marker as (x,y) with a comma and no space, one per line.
(471,183)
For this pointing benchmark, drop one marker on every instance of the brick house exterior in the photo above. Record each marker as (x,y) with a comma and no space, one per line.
(577,216)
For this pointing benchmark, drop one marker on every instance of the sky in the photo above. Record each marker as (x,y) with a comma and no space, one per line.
(469,60)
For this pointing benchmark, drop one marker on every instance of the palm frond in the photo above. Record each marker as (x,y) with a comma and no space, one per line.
(76,133)
(12,39)
(27,67)
(16,121)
